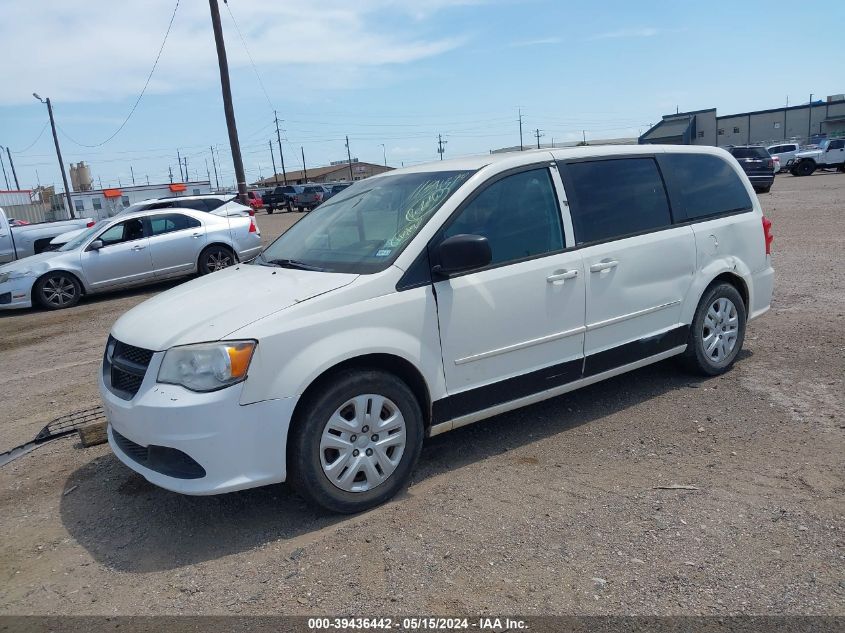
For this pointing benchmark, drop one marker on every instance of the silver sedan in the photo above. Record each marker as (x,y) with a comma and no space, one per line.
(129,250)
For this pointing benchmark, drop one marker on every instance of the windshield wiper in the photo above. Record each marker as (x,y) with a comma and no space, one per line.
(293,263)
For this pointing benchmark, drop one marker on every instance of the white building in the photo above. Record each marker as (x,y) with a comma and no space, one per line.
(104,203)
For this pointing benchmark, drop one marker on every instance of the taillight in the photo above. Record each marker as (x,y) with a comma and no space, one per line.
(767,234)
(318,197)
(251,212)
(770,163)
(90,224)
(252,227)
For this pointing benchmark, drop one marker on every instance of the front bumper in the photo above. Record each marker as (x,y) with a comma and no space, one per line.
(16,293)
(237,446)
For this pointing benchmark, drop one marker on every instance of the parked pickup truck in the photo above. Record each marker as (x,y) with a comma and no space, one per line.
(280,197)
(310,197)
(17,242)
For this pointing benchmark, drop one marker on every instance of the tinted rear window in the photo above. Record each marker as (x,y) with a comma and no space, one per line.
(613,198)
(750,152)
(704,185)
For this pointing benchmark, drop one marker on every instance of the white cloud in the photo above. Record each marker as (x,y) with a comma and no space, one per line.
(626,33)
(100,49)
(543,41)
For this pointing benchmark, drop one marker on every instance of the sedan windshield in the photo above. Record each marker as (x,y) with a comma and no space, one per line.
(83,237)
(364,228)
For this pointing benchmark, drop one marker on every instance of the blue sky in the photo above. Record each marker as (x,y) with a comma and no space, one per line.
(387,72)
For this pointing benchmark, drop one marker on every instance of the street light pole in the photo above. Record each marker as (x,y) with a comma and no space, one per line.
(810,118)
(384,153)
(58,152)
(229,109)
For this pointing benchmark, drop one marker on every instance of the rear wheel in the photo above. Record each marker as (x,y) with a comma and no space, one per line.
(763,189)
(56,291)
(215,258)
(717,331)
(269,210)
(355,443)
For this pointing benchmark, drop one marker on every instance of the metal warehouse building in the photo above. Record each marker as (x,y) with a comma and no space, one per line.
(805,123)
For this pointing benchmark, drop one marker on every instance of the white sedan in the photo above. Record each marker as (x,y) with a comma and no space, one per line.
(128,250)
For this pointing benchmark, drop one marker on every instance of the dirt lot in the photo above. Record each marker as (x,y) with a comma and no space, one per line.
(551,509)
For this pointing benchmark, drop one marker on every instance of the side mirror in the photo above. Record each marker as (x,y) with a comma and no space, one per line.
(461,253)
(95,245)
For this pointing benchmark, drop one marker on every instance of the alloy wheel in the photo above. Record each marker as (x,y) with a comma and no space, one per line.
(218,260)
(59,291)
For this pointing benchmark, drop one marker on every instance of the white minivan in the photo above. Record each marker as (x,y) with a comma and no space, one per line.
(428,298)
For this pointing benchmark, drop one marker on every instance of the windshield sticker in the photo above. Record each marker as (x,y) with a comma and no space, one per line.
(422,203)
(383,252)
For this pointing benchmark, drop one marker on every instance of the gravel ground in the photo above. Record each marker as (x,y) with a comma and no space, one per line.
(553,509)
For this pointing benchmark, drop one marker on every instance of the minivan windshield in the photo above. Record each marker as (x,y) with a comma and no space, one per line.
(363,228)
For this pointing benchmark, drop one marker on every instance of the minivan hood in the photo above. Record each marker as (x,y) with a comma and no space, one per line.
(211,307)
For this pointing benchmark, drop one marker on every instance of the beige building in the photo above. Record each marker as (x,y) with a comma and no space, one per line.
(338,172)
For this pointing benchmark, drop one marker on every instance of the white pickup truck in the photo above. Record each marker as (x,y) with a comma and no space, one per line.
(830,154)
(17,242)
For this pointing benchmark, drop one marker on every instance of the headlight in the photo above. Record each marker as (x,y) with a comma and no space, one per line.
(207,367)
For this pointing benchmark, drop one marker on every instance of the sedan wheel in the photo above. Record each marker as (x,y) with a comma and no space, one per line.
(57,291)
(215,258)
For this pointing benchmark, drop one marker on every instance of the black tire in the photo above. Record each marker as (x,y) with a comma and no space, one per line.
(269,210)
(793,170)
(214,258)
(805,168)
(304,457)
(696,357)
(763,189)
(57,291)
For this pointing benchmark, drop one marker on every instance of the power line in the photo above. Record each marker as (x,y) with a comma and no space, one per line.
(37,138)
(248,54)
(143,90)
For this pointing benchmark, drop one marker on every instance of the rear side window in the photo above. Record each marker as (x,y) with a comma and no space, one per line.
(836,145)
(703,185)
(614,198)
(161,224)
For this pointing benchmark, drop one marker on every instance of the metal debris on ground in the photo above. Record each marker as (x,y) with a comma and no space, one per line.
(60,427)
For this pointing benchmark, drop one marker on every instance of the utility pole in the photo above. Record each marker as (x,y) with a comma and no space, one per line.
(12,165)
(132,171)
(100,180)
(234,143)
(58,152)
(281,154)
(538,135)
(349,158)
(3,165)
(169,171)
(273,158)
(148,179)
(809,117)
(584,136)
(440,144)
(179,162)
(521,148)
(214,164)
(304,170)
(384,153)
(187,177)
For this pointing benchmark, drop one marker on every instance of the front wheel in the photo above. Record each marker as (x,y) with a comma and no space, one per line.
(56,291)
(269,210)
(355,444)
(717,331)
(215,258)
(805,168)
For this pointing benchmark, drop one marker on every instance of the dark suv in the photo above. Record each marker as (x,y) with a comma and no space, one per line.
(757,164)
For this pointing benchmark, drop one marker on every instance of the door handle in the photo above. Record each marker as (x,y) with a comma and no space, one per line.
(602,266)
(563,275)
(195,235)
(138,247)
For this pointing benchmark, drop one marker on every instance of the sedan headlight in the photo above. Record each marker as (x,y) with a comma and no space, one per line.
(207,367)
